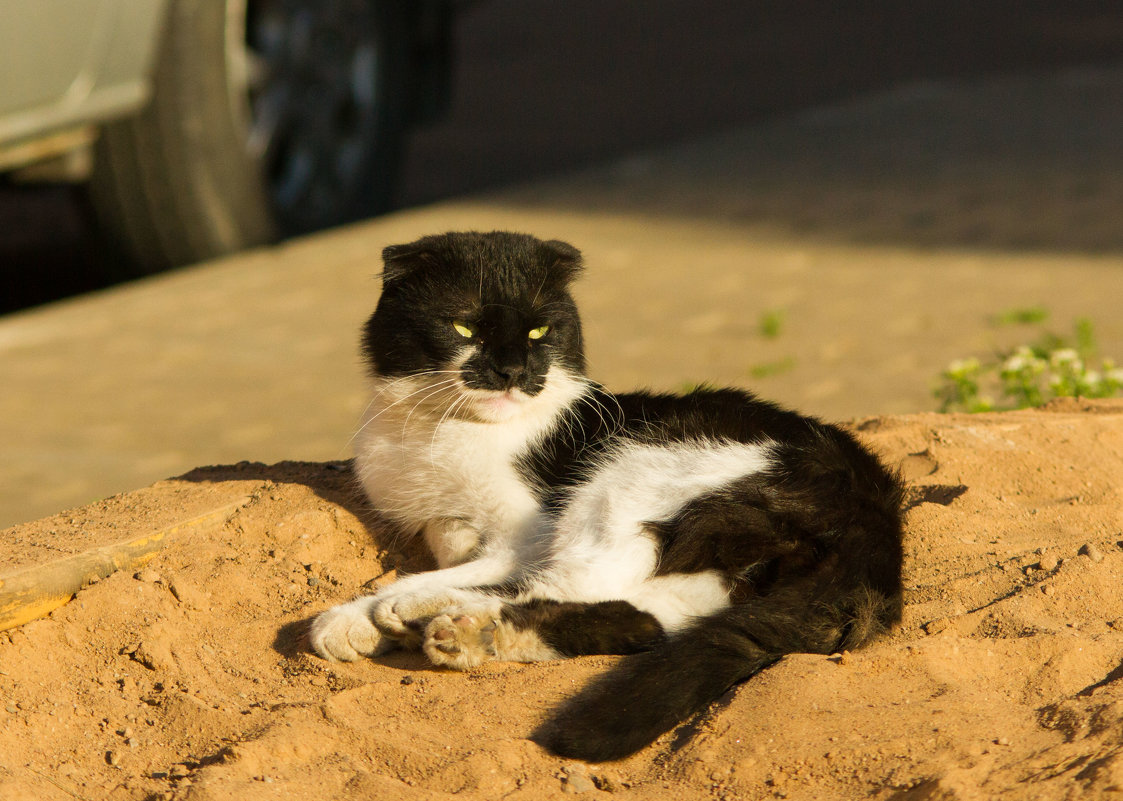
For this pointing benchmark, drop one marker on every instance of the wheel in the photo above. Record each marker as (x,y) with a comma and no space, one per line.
(268,118)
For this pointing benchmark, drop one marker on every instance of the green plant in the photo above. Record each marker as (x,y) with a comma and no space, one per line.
(1022,315)
(768,369)
(1030,375)
(771,323)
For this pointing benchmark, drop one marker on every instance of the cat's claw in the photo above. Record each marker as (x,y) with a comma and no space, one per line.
(346,632)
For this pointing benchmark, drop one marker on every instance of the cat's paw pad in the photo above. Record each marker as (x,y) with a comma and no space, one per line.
(346,632)
(460,641)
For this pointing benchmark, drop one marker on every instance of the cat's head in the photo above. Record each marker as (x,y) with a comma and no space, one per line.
(490,314)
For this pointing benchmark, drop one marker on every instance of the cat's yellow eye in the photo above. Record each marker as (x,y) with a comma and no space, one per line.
(464,330)
(539,332)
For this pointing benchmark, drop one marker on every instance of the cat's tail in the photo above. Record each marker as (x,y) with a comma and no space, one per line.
(650,693)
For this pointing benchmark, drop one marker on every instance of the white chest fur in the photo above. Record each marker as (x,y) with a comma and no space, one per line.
(420,463)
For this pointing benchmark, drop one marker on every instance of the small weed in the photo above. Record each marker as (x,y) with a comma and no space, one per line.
(1031,375)
(769,369)
(772,323)
(1028,315)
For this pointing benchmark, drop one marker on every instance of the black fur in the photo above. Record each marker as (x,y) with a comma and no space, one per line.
(501,284)
(575,629)
(810,549)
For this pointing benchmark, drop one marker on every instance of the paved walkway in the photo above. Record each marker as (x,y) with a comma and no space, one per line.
(885,235)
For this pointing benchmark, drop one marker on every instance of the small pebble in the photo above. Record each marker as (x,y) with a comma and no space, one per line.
(576,781)
(606,783)
(1092,552)
(936,626)
(1048,562)
(187,594)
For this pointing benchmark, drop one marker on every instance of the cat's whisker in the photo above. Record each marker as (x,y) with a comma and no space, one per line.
(538,292)
(402,400)
(393,385)
(612,422)
(460,402)
(444,387)
(439,386)
(389,385)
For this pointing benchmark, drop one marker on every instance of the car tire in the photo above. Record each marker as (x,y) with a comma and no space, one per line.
(182,181)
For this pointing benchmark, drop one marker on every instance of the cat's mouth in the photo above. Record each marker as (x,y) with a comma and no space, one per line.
(498,405)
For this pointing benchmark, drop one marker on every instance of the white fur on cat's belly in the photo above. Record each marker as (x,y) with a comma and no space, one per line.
(601,549)
(429,463)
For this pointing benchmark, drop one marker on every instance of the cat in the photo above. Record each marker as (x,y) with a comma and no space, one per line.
(706,534)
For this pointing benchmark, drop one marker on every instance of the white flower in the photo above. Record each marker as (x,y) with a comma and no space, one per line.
(963,367)
(1015,364)
(1066,357)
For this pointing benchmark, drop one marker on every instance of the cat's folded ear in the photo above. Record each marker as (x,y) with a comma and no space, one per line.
(567,263)
(399,260)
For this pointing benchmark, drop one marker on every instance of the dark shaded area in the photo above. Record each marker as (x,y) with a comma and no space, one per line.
(333,481)
(942,494)
(1115,675)
(543,88)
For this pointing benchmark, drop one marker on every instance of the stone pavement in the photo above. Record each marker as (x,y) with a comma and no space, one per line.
(884,235)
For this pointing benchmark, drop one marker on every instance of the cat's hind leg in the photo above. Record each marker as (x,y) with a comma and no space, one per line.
(538,630)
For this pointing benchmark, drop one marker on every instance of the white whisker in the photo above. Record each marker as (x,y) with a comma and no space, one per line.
(383,390)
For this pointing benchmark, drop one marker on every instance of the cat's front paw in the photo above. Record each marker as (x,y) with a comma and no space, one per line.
(461,641)
(346,632)
(403,616)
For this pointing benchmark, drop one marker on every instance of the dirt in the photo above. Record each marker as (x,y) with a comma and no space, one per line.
(188,678)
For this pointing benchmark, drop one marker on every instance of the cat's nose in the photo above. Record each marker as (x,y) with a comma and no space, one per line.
(510,375)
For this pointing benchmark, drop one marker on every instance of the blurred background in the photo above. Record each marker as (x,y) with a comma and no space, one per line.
(821,202)
(347,108)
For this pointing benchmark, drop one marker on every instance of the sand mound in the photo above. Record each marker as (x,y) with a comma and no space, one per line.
(186,678)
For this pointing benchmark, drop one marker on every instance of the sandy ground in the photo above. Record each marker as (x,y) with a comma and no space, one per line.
(188,678)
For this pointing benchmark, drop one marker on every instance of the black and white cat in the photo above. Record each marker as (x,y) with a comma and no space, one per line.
(708,534)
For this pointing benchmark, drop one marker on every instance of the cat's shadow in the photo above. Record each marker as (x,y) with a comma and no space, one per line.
(333,482)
